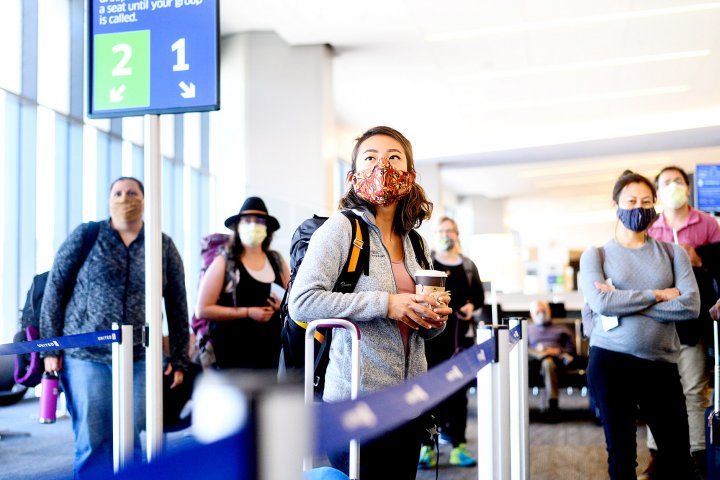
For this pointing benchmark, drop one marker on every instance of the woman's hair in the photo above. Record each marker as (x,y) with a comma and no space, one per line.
(672,168)
(628,177)
(413,208)
(235,246)
(120,179)
(448,219)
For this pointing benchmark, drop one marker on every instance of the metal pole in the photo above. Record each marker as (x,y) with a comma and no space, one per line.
(519,418)
(153,287)
(493,394)
(354,469)
(716,370)
(493,303)
(122,390)
(501,391)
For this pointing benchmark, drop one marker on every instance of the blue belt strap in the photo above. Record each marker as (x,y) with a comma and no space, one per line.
(81,340)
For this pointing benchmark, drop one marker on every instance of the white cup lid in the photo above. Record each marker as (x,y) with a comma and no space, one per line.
(430,273)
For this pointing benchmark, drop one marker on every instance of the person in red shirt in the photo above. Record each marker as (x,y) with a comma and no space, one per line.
(682,224)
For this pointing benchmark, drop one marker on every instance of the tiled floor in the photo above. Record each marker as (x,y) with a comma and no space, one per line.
(573,449)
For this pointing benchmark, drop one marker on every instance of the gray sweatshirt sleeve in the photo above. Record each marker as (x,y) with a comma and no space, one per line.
(687,305)
(311,295)
(616,303)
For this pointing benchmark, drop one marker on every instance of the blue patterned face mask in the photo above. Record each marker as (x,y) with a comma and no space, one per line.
(637,219)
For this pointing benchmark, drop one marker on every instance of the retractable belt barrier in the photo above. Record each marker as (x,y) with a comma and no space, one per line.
(81,340)
(122,377)
(377,413)
(502,402)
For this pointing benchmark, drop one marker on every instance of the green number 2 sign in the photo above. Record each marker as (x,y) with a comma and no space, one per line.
(122,70)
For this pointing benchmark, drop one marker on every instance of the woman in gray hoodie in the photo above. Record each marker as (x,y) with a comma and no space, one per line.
(393,319)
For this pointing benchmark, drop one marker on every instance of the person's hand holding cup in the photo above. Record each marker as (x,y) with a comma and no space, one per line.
(431,283)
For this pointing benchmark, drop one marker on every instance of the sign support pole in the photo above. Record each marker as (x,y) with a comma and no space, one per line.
(153,288)
(123,406)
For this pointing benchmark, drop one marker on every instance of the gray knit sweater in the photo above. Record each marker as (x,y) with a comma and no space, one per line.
(110,287)
(382,357)
(647,328)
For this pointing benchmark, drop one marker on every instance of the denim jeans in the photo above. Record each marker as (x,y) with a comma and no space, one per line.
(88,388)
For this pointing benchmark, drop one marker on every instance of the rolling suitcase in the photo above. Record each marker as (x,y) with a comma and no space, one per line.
(310,473)
(713,420)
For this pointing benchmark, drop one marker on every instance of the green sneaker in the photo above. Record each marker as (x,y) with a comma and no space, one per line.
(461,457)
(428,459)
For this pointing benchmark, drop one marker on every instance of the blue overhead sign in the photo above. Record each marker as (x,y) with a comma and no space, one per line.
(707,188)
(152,56)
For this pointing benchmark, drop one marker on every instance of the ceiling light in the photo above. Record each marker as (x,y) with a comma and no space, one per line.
(565,67)
(599,180)
(589,97)
(553,170)
(571,22)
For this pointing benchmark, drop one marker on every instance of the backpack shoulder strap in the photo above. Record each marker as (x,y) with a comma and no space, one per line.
(276,263)
(358,259)
(89,238)
(468,267)
(419,248)
(90,235)
(669,249)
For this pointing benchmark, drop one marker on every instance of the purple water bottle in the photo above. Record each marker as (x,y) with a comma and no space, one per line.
(48,398)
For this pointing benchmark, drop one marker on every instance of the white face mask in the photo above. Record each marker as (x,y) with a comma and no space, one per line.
(674,195)
(445,244)
(252,234)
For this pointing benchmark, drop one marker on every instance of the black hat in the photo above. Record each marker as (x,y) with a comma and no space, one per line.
(256,207)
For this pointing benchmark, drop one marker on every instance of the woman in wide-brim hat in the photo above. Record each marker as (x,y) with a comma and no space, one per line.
(237,294)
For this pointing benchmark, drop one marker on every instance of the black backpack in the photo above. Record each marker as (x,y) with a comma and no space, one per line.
(28,367)
(292,356)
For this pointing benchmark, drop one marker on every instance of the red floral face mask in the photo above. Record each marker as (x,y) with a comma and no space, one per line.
(383,184)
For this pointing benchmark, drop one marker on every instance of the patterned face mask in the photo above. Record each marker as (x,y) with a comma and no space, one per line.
(382,185)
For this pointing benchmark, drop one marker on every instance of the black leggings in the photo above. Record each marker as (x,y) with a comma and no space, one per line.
(394,455)
(621,384)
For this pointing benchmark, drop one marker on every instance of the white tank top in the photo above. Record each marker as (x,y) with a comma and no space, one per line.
(265,275)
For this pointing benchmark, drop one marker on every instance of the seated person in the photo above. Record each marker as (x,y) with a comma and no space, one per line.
(550,348)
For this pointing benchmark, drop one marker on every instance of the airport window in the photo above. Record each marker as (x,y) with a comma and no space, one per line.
(56,164)
(53,75)
(10,39)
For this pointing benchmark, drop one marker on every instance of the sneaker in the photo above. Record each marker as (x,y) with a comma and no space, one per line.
(444,439)
(649,472)
(428,459)
(461,457)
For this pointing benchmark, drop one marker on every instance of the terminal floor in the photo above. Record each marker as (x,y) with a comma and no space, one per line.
(570,450)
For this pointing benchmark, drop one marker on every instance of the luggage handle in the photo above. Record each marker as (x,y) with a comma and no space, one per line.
(354,378)
(713,420)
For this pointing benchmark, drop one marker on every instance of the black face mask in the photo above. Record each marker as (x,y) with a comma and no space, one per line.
(637,219)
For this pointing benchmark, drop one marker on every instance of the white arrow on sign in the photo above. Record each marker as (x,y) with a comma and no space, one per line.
(188,91)
(116,94)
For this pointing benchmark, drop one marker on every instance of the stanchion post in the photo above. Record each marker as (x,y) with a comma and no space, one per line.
(519,416)
(122,390)
(493,392)
(153,287)
(354,470)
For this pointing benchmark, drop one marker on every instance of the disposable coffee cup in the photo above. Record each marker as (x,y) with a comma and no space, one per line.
(430,282)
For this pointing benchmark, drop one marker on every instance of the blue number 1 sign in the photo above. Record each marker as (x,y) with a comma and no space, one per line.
(152,57)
